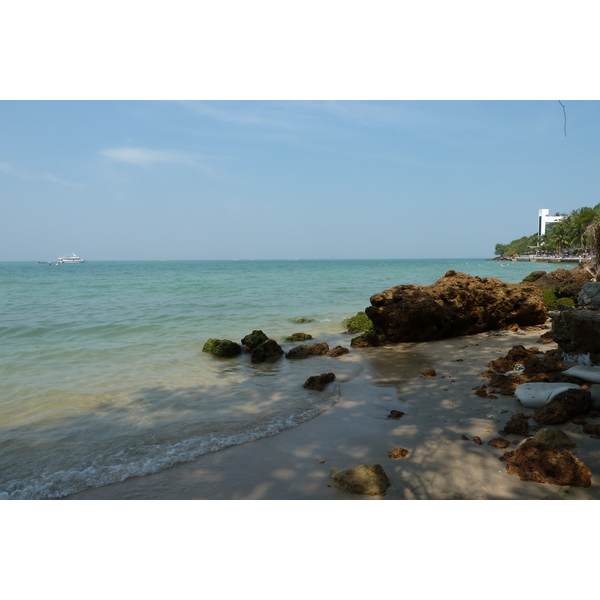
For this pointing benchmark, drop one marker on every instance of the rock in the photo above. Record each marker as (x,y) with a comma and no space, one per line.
(269,351)
(554,438)
(429,373)
(455,305)
(369,339)
(303,320)
(398,453)
(371,481)
(592,430)
(562,285)
(319,382)
(395,414)
(517,424)
(306,351)
(254,339)
(337,352)
(499,443)
(536,461)
(357,323)
(299,337)
(578,332)
(563,407)
(589,296)
(477,440)
(222,348)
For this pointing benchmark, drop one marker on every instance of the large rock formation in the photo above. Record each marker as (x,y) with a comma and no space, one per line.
(578,332)
(455,305)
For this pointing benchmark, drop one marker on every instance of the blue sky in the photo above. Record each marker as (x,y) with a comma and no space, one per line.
(285,179)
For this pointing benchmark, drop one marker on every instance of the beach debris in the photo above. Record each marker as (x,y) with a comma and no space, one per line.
(337,351)
(254,339)
(319,382)
(222,348)
(563,407)
(269,351)
(298,337)
(455,305)
(518,369)
(398,452)
(539,393)
(371,481)
(477,440)
(533,460)
(554,438)
(464,437)
(429,373)
(499,442)
(395,414)
(303,351)
(517,424)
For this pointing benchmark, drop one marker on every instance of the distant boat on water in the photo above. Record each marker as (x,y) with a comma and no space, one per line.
(69,259)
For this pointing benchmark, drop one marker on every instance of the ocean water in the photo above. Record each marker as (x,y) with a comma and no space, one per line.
(102,374)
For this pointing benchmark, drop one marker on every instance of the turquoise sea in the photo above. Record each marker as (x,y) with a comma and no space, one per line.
(102,374)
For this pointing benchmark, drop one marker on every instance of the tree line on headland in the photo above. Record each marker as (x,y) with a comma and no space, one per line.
(577,233)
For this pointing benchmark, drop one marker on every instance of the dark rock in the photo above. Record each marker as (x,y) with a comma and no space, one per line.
(319,382)
(477,440)
(254,339)
(517,424)
(455,305)
(306,351)
(562,284)
(371,481)
(499,443)
(578,332)
(303,320)
(592,430)
(222,348)
(299,337)
(269,351)
(563,407)
(395,414)
(536,461)
(338,351)
(369,339)
(429,373)
(589,296)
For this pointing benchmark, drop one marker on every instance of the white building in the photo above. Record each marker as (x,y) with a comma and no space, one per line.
(543,218)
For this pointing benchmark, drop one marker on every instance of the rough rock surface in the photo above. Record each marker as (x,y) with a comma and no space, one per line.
(303,351)
(535,461)
(455,305)
(254,339)
(337,352)
(372,480)
(563,283)
(222,348)
(555,438)
(298,337)
(269,351)
(517,424)
(563,407)
(578,331)
(319,382)
(398,452)
(589,296)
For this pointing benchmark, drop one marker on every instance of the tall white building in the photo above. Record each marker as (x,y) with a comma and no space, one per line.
(543,218)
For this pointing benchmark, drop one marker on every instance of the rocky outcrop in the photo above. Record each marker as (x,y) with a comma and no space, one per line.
(319,382)
(303,351)
(535,461)
(269,351)
(222,348)
(372,480)
(560,285)
(298,337)
(455,305)
(254,339)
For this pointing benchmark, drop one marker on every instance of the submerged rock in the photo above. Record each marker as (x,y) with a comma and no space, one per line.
(535,461)
(338,351)
(371,481)
(254,339)
(319,382)
(306,351)
(298,337)
(222,348)
(455,305)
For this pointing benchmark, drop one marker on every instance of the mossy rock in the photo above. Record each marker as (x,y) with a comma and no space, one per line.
(222,348)
(534,276)
(269,351)
(368,339)
(550,299)
(359,322)
(303,320)
(254,339)
(566,302)
(298,337)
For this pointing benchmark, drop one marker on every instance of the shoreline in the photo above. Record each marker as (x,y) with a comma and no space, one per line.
(440,412)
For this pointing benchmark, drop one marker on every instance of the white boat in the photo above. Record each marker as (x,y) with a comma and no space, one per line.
(69,259)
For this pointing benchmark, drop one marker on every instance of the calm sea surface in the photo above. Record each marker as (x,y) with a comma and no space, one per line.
(102,374)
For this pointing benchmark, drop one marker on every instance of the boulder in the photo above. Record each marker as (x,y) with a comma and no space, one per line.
(269,351)
(303,351)
(455,305)
(371,481)
(589,296)
(222,348)
(338,351)
(578,332)
(254,339)
(554,438)
(564,407)
(535,461)
(298,337)
(319,382)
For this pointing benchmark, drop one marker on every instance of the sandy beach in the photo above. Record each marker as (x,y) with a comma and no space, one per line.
(440,412)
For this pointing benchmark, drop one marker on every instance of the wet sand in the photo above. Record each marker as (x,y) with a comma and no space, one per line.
(439,412)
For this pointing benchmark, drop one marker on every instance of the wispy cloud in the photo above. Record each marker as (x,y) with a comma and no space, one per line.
(144,157)
(8,169)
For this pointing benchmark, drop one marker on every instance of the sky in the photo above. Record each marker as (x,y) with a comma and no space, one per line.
(147,180)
